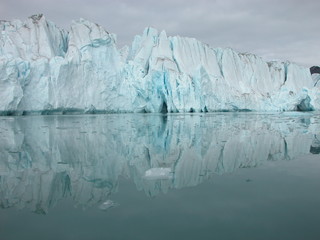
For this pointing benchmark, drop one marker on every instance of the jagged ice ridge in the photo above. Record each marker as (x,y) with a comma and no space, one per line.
(44,69)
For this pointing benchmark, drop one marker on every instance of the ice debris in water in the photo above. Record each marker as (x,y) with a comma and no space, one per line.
(108,204)
(158,173)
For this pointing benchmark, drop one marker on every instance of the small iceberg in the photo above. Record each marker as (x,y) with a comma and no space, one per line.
(107,205)
(158,173)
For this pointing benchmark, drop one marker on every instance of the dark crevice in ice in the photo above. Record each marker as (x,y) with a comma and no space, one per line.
(164,108)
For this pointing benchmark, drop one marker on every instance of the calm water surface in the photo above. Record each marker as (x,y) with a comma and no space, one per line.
(143,176)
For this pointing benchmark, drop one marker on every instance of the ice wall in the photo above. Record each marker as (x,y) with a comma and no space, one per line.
(44,69)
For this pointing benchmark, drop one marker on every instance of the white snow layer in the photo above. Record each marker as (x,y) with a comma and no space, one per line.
(44,69)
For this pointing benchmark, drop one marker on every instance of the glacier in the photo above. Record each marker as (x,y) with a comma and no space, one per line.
(45,69)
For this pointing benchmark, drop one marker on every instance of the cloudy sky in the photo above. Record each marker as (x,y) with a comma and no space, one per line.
(273,29)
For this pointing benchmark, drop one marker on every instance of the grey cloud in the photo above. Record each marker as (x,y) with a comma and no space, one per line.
(273,29)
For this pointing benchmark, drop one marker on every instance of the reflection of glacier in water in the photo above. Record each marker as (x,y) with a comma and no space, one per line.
(44,159)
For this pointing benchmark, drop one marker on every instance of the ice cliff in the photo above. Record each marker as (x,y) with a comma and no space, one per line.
(45,69)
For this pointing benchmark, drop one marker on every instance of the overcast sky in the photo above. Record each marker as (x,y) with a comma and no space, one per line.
(273,29)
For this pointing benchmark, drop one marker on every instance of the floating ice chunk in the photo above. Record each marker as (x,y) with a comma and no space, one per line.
(158,173)
(107,205)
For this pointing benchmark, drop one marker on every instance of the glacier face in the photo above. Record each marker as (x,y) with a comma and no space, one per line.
(46,69)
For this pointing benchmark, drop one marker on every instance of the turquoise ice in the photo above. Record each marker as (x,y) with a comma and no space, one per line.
(46,69)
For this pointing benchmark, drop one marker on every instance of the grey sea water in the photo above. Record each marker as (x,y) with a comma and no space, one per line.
(173,176)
